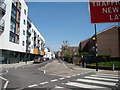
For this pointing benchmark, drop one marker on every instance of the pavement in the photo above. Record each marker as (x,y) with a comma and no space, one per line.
(14,65)
(67,69)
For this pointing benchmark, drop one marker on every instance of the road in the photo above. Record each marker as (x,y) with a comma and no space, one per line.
(54,75)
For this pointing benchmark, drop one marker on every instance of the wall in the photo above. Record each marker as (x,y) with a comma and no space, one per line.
(4,38)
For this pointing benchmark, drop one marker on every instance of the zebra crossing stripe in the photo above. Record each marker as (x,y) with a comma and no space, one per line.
(81,85)
(104,76)
(89,77)
(97,82)
(108,74)
(58,86)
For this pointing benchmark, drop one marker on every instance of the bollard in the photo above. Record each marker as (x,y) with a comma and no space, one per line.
(113,67)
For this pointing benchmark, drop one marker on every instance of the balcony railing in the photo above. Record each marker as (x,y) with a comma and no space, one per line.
(2,23)
(2,7)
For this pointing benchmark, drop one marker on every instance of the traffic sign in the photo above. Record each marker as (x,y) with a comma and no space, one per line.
(104,11)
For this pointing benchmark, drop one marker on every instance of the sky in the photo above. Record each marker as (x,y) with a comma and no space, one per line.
(61,21)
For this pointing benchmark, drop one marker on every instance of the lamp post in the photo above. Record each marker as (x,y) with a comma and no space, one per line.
(96,47)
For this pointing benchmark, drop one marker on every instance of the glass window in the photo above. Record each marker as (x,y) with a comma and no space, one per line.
(13,15)
(17,41)
(12,37)
(14,2)
(13,26)
(32,30)
(24,22)
(23,43)
(23,32)
(24,11)
(14,10)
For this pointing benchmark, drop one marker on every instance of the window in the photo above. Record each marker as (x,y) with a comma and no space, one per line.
(14,2)
(13,26)
(24,11)
(13,15)
(23,32)
(12,37)
(23,43)
(24,21)
(14,10)
(32,30)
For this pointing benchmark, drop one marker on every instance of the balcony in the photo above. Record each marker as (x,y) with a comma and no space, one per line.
(29,31)
(28,49)
(39,38)
(2,23)
(28,40)
(2,9)
(35,35)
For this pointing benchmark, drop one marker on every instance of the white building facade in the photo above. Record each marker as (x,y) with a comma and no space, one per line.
(48,54)
(19,38)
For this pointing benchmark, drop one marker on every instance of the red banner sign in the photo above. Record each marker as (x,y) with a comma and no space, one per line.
(103,11)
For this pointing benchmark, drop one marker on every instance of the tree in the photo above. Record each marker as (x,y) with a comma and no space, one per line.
(64,47)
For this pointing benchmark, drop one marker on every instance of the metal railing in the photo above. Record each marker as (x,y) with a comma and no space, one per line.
(2,23)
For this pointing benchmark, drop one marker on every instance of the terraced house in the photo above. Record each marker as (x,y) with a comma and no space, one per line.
(20,40)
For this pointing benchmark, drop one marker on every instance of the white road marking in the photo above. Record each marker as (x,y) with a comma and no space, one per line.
(43,83)
(3,78)
(68,76)
(98,82)
(105,76)
(58,86)
(6,71)
(54,80)
(108,74)
(5,86)
(32,85)
(61,78)
(81,85)
(78,74)
(73,75)
(44,71)
(101,78)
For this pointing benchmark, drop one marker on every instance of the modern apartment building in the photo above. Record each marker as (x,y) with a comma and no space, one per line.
(19,38)
(108,42)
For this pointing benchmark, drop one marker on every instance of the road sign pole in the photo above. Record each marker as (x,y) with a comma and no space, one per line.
(96,46)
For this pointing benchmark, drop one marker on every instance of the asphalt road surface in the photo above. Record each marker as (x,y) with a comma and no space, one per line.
(47,76)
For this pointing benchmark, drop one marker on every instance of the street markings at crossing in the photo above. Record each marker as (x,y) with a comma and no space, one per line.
(98,81)
(99,78)
(103,76)
(81,85)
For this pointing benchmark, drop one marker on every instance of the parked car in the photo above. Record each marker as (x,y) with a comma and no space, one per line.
(38,60)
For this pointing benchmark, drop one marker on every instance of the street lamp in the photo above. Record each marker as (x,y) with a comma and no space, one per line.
(95,38)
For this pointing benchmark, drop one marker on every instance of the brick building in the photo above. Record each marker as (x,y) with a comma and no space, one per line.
(108,42)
